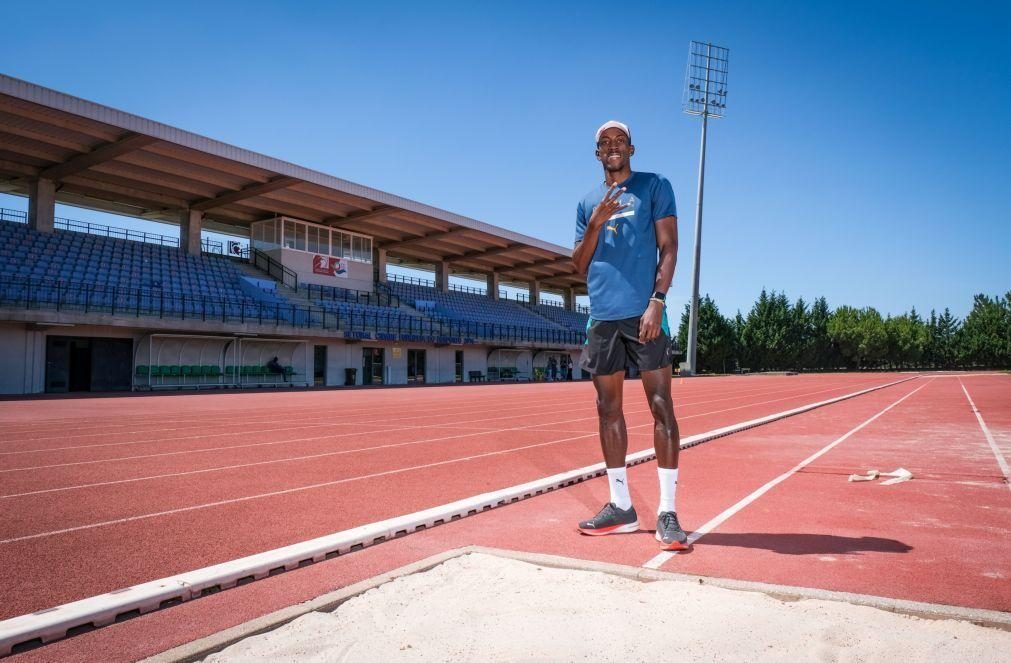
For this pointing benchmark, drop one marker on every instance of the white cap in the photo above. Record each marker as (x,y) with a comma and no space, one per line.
(613,124)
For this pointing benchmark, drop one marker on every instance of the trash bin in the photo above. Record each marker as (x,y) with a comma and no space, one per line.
(350,376)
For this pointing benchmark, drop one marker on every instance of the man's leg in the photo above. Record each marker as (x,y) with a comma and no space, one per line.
(613,435)
(666,437)
(667,443)
(617,516)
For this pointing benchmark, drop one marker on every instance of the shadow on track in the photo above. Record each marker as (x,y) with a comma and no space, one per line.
(805,544)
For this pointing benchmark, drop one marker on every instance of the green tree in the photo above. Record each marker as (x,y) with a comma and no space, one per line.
(942,349)
(740,352)
(823,353)
(801,336)
(767,332)
(844,332)
(874,344)
(860,335)
(921,338)
(907,340)
(715,341)
(983,338)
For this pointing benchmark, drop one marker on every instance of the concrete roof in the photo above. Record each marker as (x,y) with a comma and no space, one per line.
(106,159)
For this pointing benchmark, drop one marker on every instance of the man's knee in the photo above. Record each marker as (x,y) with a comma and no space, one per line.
(662,408)
(609,409)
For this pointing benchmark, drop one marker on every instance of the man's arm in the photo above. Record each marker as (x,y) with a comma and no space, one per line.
(667,241)
(582,254)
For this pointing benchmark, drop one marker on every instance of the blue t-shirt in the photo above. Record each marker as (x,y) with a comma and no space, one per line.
(622,271)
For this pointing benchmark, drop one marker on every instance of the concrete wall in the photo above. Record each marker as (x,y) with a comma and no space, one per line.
(440,362)
(22,364)
(23,352)
(359,273)
(521,360)
(23,349)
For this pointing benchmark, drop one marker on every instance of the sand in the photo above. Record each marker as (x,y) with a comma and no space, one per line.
(485,608)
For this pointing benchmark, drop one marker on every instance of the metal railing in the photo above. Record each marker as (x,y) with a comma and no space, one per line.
(88,228)
(335,294)
(47,294)
(519,296)
(274,268)
(410,280)
(473,290)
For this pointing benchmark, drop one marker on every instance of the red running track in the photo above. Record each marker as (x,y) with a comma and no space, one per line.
(97,559)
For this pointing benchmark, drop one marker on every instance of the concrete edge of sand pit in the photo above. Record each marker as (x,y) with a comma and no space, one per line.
(198,649)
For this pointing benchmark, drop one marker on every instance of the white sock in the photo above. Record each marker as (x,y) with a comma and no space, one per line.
(668,489)
(617,479)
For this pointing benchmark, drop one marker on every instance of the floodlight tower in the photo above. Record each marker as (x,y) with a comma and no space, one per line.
(705,94)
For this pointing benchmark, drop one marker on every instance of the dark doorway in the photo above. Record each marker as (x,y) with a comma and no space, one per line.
(88,364)
(415,367)
(458,375)
(57,364)
(372,366)
(80,365)
(319,365)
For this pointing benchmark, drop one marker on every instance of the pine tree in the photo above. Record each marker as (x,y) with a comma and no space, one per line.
(945,335)
(822,352)
(982,340)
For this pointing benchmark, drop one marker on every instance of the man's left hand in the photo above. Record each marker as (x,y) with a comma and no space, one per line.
(650,322)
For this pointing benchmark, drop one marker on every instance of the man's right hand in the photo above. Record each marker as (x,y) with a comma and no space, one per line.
(610,204)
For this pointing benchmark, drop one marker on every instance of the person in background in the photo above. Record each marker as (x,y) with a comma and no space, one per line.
(274,366)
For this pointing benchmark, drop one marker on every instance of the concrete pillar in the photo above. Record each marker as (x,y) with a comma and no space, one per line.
(190,223)
(41,205)
(442,276)
(379,264)
(569,295)
(535,292)
(493,285)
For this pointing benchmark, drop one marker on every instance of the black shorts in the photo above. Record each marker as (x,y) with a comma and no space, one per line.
(612,345)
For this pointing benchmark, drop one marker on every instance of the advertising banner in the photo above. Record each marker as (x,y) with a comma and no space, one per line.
(329,266)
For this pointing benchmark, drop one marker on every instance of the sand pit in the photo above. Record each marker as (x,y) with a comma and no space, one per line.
(481,607)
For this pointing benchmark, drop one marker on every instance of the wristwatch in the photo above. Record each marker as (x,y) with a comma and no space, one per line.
(659,297)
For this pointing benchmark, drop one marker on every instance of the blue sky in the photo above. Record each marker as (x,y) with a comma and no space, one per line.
(865,155)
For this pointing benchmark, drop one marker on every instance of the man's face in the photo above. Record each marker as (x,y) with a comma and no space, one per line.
(614,149)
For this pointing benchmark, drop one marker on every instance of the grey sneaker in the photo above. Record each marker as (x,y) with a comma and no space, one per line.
(669,532)
(611,520)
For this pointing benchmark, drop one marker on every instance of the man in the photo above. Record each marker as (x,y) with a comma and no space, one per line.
(274,366)
(621,226)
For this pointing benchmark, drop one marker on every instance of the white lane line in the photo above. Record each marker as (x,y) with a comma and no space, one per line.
(476,432)
(344,422)
(989,438)
(233,433)
(102,610)
(288,491)
(375,432)
(367,411)
(637,457)
(970,375)
(391,445)
(367,414)
(658,561)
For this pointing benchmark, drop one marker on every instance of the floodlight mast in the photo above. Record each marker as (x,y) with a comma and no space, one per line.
(706,76)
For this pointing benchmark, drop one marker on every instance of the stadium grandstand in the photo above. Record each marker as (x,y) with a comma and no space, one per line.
(299,293)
